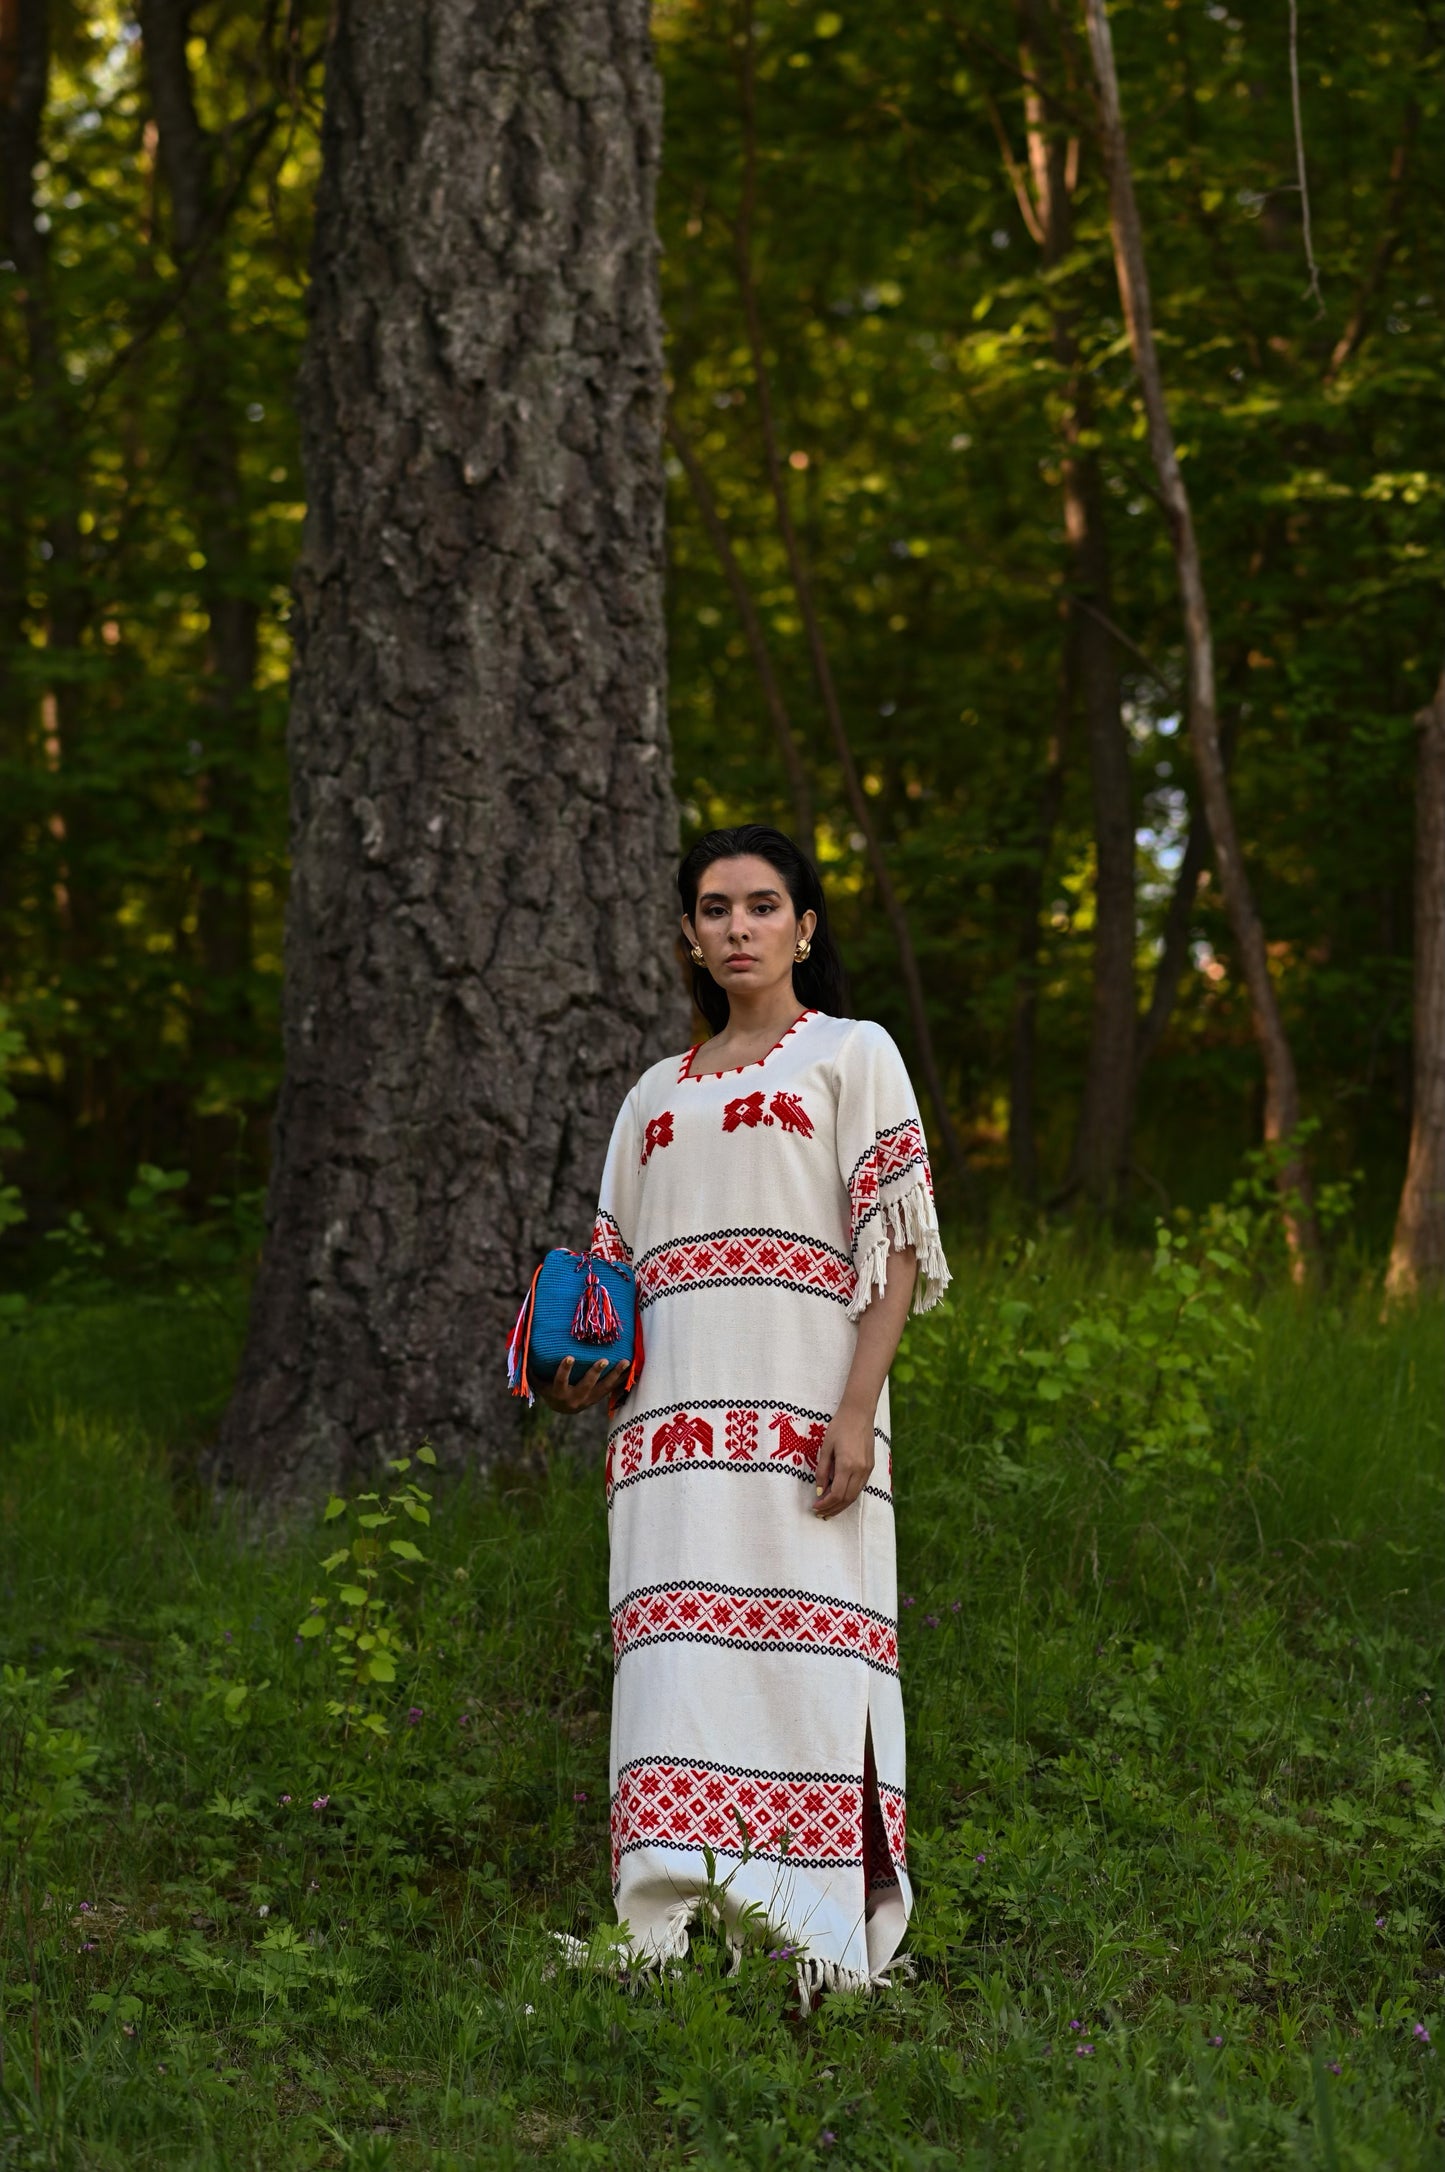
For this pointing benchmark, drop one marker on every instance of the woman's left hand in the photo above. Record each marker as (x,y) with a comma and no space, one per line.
(845,1463)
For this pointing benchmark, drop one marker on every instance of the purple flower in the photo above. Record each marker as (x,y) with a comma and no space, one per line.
(579,1794)
(1333,2065)
(283,1800)
(1216,2041)
(1076,2024)
(89,1946)
(414,1715)
(228,1636)
(85,1907)
(1421,2033)
(465,1720)
(319,1802)
(984,1859)
(827,2138)
(908,1599)
(957,1607)
(930,1621)
(1083,2051)
(1379,1923)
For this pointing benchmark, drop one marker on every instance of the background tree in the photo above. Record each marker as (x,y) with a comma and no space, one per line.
(919,399)
(483,828)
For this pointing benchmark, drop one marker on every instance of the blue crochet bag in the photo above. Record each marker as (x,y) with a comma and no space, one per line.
(578,1307)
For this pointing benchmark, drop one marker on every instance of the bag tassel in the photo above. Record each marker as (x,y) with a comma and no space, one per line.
(519,1344)
(595,1319)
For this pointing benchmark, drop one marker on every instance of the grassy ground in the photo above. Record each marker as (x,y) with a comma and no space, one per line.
(1171,1643)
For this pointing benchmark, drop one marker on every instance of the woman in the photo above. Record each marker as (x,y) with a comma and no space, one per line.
(772,1190)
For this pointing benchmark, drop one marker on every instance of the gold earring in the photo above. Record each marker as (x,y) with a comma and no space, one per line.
(804,950)
(697,956)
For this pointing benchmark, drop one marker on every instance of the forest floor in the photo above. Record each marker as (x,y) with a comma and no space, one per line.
(1171,1637)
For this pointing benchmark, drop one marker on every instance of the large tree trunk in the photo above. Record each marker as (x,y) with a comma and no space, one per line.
(1101,1146)
(1282,1105)
(1417,1258)
(478,957)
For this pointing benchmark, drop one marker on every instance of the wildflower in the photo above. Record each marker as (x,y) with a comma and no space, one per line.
(319,1802)
(930,1621)
(1048,2049)
(1076,2024)
(283,1800)
(315,1886)
(85,1908)
(1379,1923)
(89,1946)
(1421,2033)
(1334,2066)
(228,1636)
(126,2029)
(414,1715)
(984,1859)
(1083,2051)
(957,1607)
(908,1599)
(1216,2041)
(827,2138)
(579,1794)
(296,1640)
(529,2009)
(264,1910)
(465,1720)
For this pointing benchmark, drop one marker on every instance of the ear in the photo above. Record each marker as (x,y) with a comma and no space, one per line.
(806,923)
(687,934)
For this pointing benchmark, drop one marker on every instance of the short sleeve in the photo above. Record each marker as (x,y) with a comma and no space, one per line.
(614,1232)
(883,1161)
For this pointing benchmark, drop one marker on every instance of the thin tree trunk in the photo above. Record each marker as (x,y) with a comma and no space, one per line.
(187,158)
(1417,1257)
(894,910)
(478,952)
(1027,901)
(799,790)
(1387,242)
(1101,1146)
(1282,1105)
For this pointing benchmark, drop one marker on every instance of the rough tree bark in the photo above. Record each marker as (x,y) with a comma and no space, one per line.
(1026,902)
(478,941)
(1417,1257)
(1101,1146)
(1282,1104)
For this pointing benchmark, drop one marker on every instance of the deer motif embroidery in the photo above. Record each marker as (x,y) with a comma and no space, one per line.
(682,1436)
(795,1447)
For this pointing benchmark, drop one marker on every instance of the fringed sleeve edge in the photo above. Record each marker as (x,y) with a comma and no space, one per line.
(907,1219)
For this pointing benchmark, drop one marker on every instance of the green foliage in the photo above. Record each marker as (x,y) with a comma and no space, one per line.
(1173,1769)
(363,1627)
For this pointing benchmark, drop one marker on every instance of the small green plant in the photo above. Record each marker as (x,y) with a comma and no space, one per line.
(43,1766)
(359,1615)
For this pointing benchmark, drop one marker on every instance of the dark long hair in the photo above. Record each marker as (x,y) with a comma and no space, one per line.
(819,983)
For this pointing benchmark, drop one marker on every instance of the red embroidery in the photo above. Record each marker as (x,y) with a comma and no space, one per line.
(754,1621)
(606,1239)
(742,1435)
(791,1115)
(662,1802)
(799,1449)
(894,1804)
(628,1444)
(682,1436)
(658,1133)
(749,1111)
(892,1154)
(736,1257)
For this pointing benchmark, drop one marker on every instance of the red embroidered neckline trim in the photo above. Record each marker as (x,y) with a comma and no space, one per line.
(685,1071)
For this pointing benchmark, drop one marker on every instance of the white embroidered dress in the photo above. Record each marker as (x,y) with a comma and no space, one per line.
(755,1645)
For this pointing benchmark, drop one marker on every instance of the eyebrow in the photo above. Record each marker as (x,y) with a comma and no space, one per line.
(722,898)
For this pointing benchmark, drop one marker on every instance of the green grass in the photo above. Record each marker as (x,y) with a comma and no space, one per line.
(1175,1780)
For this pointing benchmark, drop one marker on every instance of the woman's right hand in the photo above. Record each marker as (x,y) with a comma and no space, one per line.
(572,1391)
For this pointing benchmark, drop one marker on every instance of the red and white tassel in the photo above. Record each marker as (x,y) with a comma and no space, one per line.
(595,1319)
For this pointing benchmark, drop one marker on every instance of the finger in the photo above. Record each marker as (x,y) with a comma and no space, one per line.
(562,1379)
(823,1471)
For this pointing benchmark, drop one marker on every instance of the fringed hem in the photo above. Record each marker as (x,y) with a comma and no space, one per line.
(636,1969)
(906,1220)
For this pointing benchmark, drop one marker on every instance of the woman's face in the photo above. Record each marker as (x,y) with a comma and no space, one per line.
(745,925)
